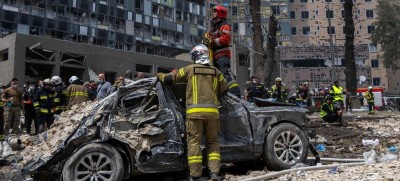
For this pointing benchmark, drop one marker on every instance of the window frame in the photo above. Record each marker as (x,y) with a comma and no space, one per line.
(308,14)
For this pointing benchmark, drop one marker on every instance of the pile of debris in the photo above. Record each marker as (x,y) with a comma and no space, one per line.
(63,126)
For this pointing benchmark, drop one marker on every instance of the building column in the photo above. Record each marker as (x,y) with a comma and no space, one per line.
(57,64)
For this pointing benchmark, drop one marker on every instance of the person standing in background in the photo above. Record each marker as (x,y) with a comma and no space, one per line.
(14,104)
(104,88)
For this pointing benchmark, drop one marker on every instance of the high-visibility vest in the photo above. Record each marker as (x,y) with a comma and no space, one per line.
(338,93)
(324,113)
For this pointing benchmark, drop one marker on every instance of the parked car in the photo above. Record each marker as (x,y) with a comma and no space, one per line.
(140,129)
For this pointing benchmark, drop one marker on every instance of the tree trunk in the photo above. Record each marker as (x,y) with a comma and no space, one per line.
(351,71)
(270,63)
(259,52)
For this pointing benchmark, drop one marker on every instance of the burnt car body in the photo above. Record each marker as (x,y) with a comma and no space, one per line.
(141,126)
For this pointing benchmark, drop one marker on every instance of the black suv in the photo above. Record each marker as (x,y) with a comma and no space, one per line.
(140,129)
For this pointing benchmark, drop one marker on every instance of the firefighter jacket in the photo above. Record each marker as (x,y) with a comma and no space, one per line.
(221,37)
(205,85)
(326,109)
(43,101)
(61,99)
(76,94)
(336,93)
(257,90)
(279,92)
(369,96)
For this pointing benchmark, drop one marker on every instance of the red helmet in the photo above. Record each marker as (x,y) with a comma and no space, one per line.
(221,11)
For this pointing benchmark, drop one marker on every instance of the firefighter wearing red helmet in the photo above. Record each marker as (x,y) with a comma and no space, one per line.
(218,38)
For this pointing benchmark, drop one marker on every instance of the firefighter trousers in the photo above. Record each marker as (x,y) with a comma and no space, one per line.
(223,63)
(371,107)
(194,131)
(43,120)
(12,116)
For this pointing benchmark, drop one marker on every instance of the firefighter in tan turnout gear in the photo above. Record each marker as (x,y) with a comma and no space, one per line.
(205,85)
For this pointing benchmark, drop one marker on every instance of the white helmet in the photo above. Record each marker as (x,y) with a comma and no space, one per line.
(47,82)
(370,87)
(56,79)
(72,79)
(200,55)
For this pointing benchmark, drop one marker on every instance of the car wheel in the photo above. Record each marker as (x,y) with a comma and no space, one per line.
(285,146)
(94,162)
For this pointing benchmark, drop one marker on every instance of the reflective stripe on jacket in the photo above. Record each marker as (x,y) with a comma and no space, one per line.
(369,96)
(221,39)
(326,109)
(205,85)
(337,93)
(76,94)
(43,101)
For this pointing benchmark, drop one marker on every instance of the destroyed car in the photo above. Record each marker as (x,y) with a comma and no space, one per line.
(140,129)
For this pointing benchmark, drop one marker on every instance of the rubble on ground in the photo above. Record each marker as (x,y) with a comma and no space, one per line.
(386,166)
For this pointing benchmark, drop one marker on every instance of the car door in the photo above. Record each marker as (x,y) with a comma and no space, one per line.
(236,139)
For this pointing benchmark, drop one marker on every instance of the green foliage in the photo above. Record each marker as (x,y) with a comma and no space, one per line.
(387,31)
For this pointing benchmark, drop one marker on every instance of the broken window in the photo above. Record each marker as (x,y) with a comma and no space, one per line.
(144,68)
(4,55)
(140,98)
(34,71)
(71,58)
(36,52)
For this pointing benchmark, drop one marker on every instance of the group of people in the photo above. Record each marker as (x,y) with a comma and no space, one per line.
(40,101)
(255,89)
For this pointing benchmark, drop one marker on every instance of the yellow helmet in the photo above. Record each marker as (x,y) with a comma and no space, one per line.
(278,79)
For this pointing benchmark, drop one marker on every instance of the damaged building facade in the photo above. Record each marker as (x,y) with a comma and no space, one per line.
(32,58)
(164,28)
(307,57)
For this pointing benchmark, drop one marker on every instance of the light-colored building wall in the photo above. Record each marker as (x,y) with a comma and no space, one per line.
(364,15)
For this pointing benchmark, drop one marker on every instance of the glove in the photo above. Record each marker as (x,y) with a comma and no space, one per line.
(207,42)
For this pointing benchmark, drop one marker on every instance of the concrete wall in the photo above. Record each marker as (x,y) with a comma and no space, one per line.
(7,67)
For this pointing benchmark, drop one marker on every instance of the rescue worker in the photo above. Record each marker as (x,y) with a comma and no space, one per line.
(2,134)
(205,85)
(329,113)
(44,105)
(76,92)
(60,101)
(219,38)
(279,91)
(256,89)
(30,113)
(14,104)
(337,93)
(370,100)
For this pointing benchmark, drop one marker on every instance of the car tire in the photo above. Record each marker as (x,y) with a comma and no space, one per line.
(285,146)
(97,161)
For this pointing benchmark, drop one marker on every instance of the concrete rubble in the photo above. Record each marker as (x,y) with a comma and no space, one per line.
(386,166)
